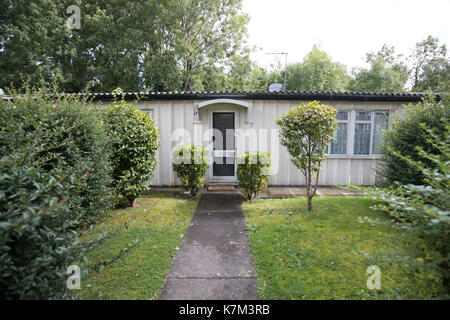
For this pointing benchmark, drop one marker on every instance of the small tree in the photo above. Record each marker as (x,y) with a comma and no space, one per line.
(136,142)
(306,131)
(190,162)
(253,170)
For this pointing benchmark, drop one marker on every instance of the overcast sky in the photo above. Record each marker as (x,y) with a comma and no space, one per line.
(346,29)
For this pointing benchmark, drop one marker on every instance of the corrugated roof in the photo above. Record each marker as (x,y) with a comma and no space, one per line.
(262,95)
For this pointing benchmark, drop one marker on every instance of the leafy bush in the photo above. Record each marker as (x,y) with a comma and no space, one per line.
(405,135)
(306,132)
(134,149)
(190,163)
(253,172)
(54,177)
(425,207)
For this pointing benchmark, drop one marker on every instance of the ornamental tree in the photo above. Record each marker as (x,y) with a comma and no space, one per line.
(134,156)
(306,131)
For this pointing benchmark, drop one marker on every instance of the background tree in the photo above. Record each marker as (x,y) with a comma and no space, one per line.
(306,132)
(317,71)
(387,73)
(177,45)
(245,74)
(430,66)
(137,45)
(197,36)
(27,31)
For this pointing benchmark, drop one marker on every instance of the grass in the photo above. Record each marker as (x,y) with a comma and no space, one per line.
(158,223)
(324,254)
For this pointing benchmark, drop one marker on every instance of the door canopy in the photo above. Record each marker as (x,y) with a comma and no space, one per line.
(244,104)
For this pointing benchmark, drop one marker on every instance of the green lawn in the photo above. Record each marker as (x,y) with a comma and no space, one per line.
(159,223)
(324,254)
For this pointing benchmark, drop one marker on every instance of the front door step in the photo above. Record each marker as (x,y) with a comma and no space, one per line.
(221,188)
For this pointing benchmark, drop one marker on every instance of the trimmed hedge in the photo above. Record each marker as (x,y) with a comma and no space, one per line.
(253,172)
(134,149)
(54,179)
(190,163)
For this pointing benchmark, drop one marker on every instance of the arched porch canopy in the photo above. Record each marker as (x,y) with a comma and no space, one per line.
(241,103)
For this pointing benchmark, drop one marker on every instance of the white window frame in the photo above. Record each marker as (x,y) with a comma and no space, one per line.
(338,155)
(371,122)
(351,134)
(372,132)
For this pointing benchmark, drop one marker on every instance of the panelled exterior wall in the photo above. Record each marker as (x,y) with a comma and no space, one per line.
(178,123)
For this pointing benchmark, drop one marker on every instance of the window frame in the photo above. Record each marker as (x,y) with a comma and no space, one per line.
(351,131)
(386,113)
(337,155)
(372,131)
(371,122)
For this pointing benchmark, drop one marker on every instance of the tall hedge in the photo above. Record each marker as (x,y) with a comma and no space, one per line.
(406,135)
(54,178)
(134,149)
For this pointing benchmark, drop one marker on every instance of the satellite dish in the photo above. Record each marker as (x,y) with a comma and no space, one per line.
(276,87)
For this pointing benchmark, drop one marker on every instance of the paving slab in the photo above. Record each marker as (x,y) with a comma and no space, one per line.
(199,288)
(289,192)
(325,191)
(214,260)
(298,191)
(220,201)
(218,218)
(234,261)
(215,235)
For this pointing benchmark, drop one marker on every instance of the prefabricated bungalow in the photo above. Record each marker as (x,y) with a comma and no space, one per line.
(231,123)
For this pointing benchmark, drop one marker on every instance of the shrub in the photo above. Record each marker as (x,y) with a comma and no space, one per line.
(54,177)
(306,131)
(134,149)
(424,207)
(190,163)
(253,172)
(405,135)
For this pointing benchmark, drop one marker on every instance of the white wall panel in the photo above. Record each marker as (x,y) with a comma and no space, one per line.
(171,115)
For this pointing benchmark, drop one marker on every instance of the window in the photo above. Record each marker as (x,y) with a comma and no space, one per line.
(380,123)
(368,131)
(339,146)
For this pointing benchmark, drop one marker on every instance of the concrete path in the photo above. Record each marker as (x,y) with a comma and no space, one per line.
(214,260)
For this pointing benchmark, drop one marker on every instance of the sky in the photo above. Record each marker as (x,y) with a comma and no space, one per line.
(345,29)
